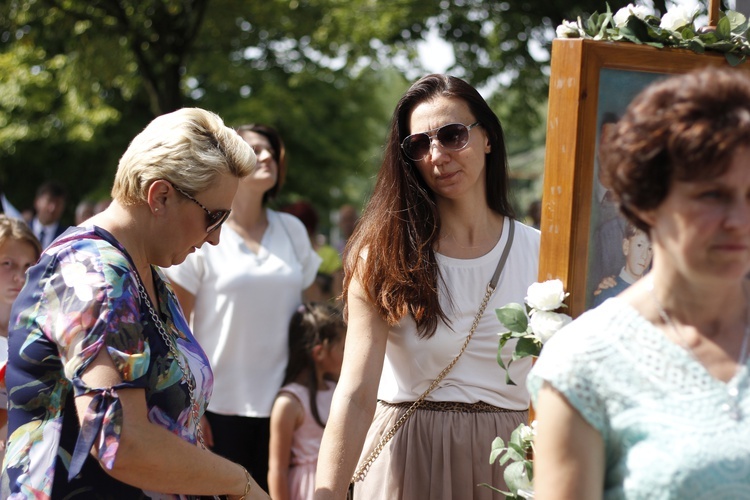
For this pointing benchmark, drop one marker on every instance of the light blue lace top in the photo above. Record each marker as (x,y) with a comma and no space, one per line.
(667,425)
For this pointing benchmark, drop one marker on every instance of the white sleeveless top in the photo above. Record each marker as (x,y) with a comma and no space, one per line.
(411,363)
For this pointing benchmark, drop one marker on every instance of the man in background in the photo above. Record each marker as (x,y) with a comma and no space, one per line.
(49,204)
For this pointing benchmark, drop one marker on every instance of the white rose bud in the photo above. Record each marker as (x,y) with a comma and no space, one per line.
(622,15)
(677,17)
(546,296)
(527,433)
(544,324)
(568,29)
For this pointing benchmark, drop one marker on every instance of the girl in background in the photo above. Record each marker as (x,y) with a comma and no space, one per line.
(19,250)
(316,349)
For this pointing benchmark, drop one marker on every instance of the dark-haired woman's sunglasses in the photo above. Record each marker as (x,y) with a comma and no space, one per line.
(454,136)
(213,219)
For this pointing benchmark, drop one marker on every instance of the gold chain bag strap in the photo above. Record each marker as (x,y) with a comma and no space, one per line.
(363,469)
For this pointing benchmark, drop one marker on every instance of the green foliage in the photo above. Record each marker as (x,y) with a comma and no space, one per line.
(81,77)
(730,36)
(514,317)
(519,473)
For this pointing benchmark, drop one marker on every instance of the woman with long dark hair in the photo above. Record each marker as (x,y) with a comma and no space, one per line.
(435,252)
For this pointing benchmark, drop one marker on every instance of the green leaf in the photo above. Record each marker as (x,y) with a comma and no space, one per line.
(498,446)
(736,19)
(516,452)
(687,33)
(592,24)
(527,346)
(721,46)
(529,465)
(516,477)
(513,317)
(638,28)
(629,35)
(696,46)
(503,340)
(724,28)
(508,380)
(733,59)
(515,437)
(504,459)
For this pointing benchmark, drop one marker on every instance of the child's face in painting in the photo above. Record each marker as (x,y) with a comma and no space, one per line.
(15,258)
(638,253)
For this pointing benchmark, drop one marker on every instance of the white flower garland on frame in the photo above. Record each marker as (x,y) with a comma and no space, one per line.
(638,24)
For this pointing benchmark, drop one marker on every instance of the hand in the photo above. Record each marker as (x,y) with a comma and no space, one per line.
(607,282)
(208,436)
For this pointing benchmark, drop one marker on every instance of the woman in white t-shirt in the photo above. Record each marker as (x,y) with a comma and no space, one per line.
(242,294)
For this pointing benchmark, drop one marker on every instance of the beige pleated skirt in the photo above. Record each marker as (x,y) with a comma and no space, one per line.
(436,455)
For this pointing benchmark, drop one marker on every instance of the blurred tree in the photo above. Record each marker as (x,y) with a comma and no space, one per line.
(78,78)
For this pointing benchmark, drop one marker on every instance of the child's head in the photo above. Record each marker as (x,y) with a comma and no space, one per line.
(316,341)
(316,348)
(19,250)
(636,247)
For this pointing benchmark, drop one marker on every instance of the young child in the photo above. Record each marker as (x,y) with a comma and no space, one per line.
(19,250)
(636,248)
(316,349)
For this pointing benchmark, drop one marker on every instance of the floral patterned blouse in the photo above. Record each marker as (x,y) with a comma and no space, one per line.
(82,297)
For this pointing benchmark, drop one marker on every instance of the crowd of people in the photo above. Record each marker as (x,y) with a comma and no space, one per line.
(137,361)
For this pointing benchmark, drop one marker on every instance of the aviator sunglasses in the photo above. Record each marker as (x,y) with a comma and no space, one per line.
(454,136)
(215,219)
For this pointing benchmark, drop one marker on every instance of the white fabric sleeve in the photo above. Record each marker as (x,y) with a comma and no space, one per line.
(308,258)
(189,274)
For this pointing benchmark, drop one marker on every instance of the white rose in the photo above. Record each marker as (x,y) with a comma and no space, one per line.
(544,324)
(677,17)
(528,433)
(569,29)
(546,296)
(622,15)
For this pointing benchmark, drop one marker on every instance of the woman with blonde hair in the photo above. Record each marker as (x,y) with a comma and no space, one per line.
(241,295)
(107,383)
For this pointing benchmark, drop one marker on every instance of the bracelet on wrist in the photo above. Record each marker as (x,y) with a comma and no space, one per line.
(248,485)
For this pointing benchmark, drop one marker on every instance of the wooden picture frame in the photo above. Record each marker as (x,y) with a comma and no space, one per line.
(581,87)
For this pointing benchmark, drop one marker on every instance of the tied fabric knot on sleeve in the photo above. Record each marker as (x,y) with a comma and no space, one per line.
(82,303)
(103,419)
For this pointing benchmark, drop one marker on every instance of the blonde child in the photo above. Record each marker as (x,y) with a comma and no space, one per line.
(19,250)
(316,349)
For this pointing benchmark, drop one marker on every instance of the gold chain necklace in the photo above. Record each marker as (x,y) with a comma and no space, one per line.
(732,406)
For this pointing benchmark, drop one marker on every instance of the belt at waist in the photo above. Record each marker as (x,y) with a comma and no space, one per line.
(478,407)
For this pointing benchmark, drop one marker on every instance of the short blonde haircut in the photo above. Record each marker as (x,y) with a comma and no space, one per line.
(17,230)
(189,147)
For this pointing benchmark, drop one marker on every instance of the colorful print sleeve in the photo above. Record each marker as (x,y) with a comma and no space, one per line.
(93,305)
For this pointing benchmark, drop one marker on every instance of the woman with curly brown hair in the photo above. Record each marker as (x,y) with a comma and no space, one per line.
(648,395)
